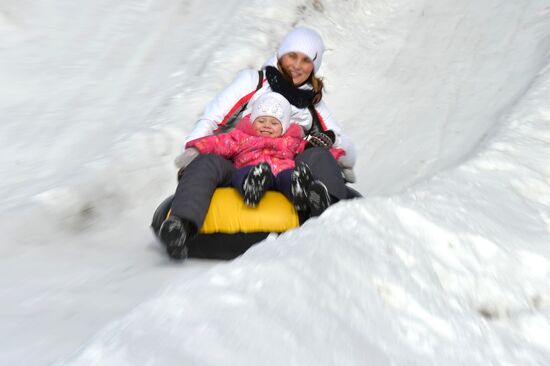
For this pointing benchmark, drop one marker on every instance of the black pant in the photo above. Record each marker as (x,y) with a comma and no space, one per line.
(201,177)
(197,184)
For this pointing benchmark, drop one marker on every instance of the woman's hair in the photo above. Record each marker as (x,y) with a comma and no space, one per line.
(316,82)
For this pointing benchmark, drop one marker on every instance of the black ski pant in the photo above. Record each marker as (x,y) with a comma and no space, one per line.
(197,185)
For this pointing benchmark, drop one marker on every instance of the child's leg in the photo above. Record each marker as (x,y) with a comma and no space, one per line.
(282,183)
(239,175)
(253,181)
(306,194)
(300,181)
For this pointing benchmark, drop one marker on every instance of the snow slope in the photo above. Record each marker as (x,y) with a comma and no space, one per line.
(446,261)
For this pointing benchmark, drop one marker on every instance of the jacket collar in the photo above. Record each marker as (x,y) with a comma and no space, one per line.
(298,97)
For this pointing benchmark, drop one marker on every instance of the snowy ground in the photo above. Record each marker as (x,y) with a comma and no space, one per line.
(447,260)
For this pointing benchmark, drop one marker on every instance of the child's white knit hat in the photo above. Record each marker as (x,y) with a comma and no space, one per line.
(306,41)
(273,105)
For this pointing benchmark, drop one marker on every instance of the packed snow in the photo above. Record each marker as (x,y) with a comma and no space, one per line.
(446,261)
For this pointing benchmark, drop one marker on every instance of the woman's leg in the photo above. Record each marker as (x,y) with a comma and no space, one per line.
(324,168)
(196,187)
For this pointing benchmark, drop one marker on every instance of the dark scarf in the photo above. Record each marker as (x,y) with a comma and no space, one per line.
(299,98)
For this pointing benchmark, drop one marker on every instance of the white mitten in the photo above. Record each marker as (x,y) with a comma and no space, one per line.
(349,175)
(186,157)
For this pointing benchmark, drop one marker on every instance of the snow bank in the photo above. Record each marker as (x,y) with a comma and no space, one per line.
(391,281)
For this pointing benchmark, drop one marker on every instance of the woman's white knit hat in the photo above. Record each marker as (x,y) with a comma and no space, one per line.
(273,105)
(306,41)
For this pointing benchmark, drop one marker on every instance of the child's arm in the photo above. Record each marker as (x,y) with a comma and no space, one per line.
(223,144)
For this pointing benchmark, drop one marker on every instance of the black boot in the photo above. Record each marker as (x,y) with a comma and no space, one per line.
(255,184)
(318,198)
(173,233)
(300,180)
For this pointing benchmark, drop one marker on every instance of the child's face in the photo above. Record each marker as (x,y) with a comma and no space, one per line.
(268,126)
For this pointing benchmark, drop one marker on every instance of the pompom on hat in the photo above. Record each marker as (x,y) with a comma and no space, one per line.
(273,105)
(306,41)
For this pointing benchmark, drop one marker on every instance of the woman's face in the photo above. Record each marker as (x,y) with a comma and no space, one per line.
(268,126)
(297,65)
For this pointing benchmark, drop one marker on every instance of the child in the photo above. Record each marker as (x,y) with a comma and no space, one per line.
(262,147)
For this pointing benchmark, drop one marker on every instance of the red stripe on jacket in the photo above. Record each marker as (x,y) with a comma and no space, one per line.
(323,125)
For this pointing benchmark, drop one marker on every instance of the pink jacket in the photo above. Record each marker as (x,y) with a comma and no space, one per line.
(244,147)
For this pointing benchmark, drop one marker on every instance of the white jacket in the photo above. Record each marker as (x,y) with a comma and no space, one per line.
(238,91)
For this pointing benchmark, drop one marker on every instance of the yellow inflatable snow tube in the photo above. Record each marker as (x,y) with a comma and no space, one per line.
(228,214)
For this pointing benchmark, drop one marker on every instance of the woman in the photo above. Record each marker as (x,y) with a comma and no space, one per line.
(292,73)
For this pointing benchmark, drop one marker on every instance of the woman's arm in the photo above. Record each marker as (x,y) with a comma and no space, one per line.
(224,103)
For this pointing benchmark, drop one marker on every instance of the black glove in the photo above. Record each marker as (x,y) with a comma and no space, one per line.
(321,139)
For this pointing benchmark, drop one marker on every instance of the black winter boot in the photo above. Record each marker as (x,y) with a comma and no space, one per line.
(173,233)
(300,180)
(318,198)
(255,184)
